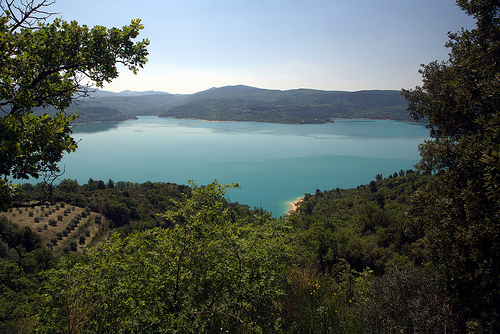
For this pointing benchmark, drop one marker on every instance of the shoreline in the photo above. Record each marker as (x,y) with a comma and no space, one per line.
(293,205)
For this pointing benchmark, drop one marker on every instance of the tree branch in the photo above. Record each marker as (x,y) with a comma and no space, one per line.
(26,14)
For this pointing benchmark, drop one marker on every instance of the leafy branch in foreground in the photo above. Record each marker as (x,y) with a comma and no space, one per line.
(461,206)
(46,64)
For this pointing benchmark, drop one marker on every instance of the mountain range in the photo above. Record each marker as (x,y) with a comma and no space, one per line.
(245,103)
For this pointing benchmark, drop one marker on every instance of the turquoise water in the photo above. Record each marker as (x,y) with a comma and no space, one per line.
(273,163)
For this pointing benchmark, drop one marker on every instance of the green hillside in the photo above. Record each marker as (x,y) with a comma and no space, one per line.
(244,103)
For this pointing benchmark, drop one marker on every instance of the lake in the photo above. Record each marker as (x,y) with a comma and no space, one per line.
(274,164)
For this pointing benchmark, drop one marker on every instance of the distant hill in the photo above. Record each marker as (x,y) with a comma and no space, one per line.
(90,114)
(150,104)
(101,114)
(245,103)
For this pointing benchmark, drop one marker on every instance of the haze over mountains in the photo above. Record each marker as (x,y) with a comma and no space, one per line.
(244,103)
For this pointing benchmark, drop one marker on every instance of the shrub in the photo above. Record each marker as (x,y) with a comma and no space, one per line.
(407,299)
(73,246)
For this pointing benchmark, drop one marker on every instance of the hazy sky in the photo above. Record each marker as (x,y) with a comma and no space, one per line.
(277,44)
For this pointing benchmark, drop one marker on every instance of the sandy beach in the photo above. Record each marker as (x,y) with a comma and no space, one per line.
(293,205)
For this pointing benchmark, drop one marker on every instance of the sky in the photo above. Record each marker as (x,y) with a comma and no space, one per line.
(345,45)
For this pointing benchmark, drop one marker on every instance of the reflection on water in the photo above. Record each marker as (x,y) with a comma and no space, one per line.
(95,127)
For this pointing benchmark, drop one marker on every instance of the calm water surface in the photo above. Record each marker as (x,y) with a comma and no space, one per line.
(273,163)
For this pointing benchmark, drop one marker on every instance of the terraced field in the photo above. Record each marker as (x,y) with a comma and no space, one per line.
(61,226)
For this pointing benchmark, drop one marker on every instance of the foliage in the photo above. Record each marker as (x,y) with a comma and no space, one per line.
(50,64)
(125,204)
(461,206)
(406,299)
(366,227)
(316,302)
(21,261)
(210,271)
(209,264)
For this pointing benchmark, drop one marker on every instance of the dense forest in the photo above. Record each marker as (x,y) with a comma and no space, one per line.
(312,270)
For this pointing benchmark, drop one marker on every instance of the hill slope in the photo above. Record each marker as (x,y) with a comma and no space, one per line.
(244,103)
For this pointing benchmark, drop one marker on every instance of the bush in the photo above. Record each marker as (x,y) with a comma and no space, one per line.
(52,222)
(73,246)
(407,299)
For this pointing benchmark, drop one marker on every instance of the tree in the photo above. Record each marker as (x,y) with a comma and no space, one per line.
(50,64)
(209,272)
(460,209)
